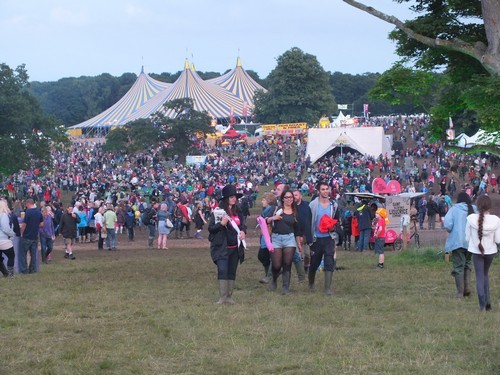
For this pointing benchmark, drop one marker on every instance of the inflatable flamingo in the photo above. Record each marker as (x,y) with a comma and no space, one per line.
(265,233)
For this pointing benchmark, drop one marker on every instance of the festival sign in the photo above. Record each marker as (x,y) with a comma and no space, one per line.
(291,128)
(195,159)
(397,207)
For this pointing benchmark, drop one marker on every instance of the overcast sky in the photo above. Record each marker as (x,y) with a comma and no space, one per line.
(72,38)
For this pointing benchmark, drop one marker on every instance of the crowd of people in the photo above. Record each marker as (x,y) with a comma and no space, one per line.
(115,194)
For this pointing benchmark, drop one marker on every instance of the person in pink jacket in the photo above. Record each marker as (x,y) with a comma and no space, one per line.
(483,233)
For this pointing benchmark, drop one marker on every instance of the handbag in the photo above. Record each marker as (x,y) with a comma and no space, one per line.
(168,223)
(241,253)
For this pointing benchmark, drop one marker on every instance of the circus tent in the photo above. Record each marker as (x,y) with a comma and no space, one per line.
(228,95)
(144,89)
(207,97)
(239,83)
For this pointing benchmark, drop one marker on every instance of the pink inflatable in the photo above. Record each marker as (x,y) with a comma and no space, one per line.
(265,233)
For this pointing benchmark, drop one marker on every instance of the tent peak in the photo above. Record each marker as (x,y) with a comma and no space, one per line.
(238,62)
(186,65)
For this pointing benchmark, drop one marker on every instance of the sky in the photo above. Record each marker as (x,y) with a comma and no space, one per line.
(72,38)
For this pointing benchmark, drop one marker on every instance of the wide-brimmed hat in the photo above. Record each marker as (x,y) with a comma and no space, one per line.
(230,190)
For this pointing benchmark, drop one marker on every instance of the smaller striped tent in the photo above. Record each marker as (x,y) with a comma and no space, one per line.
(142,91)
(238,82)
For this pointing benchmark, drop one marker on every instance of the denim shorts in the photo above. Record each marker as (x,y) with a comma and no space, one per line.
(379,245)
(283,240)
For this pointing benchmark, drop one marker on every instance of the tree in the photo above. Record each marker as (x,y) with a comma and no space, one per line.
(298,91)
(27,135)
(181,127)
(444,24)
(134,137)
(401,85)
(462,39)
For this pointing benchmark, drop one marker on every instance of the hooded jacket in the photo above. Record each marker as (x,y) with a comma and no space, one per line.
(491,234)
(454,223)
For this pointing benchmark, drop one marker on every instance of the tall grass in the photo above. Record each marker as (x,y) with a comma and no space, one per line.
(152,312)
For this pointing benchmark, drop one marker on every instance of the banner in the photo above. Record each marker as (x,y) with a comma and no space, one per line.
(195,159)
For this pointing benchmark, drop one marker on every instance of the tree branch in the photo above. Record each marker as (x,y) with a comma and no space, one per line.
(477,50)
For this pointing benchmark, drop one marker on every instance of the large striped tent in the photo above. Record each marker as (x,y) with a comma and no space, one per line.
(228,95)
(207,97)
(144,89)
(239,83)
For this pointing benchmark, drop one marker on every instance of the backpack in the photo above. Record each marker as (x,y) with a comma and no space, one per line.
(147,215)
(442,207)
(178,212)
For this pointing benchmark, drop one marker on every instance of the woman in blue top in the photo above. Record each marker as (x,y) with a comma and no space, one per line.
(454,223)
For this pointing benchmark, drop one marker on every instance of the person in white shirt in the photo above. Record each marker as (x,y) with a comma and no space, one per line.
(483,233)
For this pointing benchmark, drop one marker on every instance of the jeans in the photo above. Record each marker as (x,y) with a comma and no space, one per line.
(364,238)
(31,246)
(226,268)
(111,238)
(421,218)
(152,230)
(431,221)
(47,245)
(323,247)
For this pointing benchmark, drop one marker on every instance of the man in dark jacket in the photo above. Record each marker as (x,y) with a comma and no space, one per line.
(32,221)
(432,211)
(68,230)
(364,216)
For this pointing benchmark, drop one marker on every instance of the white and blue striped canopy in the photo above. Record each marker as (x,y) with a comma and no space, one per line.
(221,97)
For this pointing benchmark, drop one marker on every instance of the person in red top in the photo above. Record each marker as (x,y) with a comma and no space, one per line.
(381,216)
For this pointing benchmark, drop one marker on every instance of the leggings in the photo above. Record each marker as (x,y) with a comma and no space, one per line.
(481,266)
(9,253)
(282,258)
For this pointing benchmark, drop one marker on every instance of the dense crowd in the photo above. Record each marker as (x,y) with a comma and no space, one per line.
(115,193)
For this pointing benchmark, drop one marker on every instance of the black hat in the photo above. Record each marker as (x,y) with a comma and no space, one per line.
(230,190)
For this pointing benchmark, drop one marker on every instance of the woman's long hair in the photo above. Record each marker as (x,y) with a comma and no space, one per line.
(224,204)
(483,205)
(463,197)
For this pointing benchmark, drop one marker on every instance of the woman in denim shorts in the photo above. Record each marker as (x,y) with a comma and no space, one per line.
(284,235)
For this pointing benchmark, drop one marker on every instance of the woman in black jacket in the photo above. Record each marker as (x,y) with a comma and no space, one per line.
(227,229)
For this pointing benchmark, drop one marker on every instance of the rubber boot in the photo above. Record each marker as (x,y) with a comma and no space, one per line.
(181,235)
(223,287)
(150,242)
(459,282)
(467,283)
(176,234)
(229,294)
(10,271)
(266,278)
(301,272)
(188,233)
(286,283)
(272,283)
(328,283)
(311,277)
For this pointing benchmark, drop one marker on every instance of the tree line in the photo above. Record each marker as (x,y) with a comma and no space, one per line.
(76,99)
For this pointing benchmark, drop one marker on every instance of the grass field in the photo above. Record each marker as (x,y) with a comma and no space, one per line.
(139,311)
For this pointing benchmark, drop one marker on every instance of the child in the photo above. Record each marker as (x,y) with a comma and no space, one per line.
(379,235)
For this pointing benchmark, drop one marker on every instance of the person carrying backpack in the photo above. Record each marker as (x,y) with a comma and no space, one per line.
(148,218)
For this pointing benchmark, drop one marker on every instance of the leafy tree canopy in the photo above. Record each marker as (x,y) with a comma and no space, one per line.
(298,91)
(461,39)
(26,133)
(183,131)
